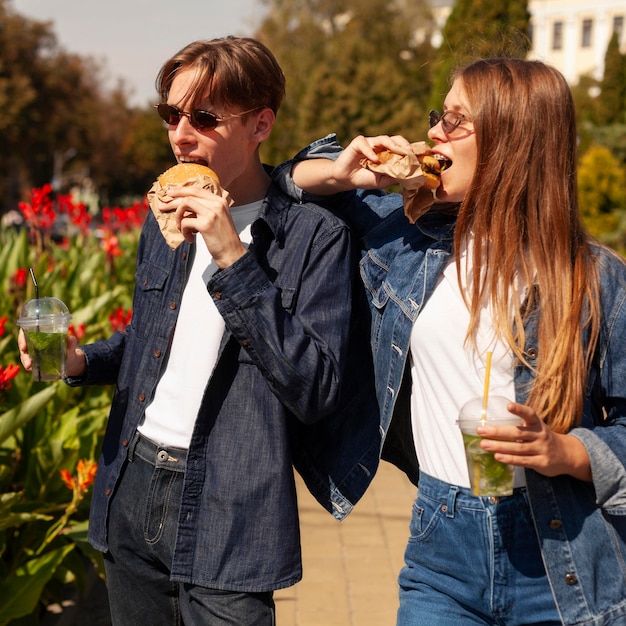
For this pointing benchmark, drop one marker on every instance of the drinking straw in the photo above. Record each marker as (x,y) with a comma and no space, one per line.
(32,275)
(36,355)
(486,388)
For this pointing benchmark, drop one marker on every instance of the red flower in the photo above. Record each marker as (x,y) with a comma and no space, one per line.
(77,212)
(39,213)
(120,320)
(110,246)
(125,219)
(85,475)
(7,374)
(19,277)
(77,331)
(68,479)
(3,321)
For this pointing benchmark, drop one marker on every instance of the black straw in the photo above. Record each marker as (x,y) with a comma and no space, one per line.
(32,275)
(36,355)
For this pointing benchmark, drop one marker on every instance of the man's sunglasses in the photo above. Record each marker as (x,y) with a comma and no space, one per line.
(203,121)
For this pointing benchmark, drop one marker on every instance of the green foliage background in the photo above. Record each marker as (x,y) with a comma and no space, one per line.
(48,427)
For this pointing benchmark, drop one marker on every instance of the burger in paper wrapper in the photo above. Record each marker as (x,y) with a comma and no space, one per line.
(183,174)
(417,172)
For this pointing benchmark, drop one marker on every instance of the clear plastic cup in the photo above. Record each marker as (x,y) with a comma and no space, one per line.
(45,322)
(488,477)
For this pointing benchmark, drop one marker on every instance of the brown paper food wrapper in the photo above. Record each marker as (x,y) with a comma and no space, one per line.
(167,220)
(407,170)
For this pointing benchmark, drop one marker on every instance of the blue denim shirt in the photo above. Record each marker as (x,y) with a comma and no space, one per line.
(581,526)
(281,393)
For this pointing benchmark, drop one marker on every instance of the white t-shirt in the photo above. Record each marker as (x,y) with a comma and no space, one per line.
(170,417)
(446,373)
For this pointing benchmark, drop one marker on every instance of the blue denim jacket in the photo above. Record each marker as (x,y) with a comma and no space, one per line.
(281,393)
(581,526)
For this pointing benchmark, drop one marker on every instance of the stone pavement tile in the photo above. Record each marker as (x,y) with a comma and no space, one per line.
(351,568)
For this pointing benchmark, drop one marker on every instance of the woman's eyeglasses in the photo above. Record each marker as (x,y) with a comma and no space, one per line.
(203,121)
(450,120)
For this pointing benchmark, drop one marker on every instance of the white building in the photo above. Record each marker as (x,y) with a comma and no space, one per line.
(572,35)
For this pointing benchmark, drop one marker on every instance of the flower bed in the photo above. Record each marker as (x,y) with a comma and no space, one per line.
(50,434)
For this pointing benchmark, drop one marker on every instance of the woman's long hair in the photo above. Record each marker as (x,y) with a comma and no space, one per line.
(522,212)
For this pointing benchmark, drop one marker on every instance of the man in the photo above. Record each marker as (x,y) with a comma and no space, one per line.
(229,372)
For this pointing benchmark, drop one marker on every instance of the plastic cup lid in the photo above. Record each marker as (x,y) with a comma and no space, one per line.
(44,310)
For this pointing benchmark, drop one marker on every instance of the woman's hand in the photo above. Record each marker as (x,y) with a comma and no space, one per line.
(536,446)
(201,211)
(323,176)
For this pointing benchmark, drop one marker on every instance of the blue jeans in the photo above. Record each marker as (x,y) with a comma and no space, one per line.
(473,560)
(142,535)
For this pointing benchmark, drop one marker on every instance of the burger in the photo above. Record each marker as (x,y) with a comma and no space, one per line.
(182,174)
(187,173)
(418,174)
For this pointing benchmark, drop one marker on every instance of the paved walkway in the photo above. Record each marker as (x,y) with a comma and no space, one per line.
(351,568)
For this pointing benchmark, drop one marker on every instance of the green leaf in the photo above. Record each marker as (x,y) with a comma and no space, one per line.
(21,590)
(16,417)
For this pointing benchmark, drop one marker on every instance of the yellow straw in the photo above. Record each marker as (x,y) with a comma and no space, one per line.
(486,389)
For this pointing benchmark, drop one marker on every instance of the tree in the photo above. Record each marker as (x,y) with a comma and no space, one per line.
(59,125)
(602,189)
(611,104)
(352,67)
(478,29)
(21,44)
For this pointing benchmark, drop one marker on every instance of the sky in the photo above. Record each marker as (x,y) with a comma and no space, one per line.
(131,39)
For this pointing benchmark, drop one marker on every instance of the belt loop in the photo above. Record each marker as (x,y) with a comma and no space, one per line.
(131,447)
(451,503)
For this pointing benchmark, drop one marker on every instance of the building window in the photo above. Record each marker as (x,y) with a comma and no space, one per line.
(586,34)
(557,36)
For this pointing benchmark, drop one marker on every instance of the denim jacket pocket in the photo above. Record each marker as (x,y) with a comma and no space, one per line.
(373,277)
(150,281)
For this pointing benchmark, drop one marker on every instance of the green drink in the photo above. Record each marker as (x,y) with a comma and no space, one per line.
(45,322)
(488,477)
(47,350)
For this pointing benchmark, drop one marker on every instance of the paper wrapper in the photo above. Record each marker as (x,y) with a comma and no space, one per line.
(406,169)
(167,220)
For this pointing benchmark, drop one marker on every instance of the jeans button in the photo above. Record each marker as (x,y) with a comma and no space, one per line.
(162,455)
(494,500)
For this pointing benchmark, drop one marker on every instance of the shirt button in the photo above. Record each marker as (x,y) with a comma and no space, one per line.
(532,353)
(172,305)
(244,342)
(157,354)
(108,492)
(555,524)
(125,442)
(142,397)
(570,579)
(218,295)
(184,255)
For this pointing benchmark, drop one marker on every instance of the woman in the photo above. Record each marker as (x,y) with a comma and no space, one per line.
(500,264)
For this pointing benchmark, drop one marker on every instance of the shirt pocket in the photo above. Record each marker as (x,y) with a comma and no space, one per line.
(150,283)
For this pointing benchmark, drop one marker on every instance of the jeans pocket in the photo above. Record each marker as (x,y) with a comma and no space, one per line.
(426,515)
(160,503)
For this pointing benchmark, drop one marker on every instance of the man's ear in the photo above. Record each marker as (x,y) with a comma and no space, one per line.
(264,122)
